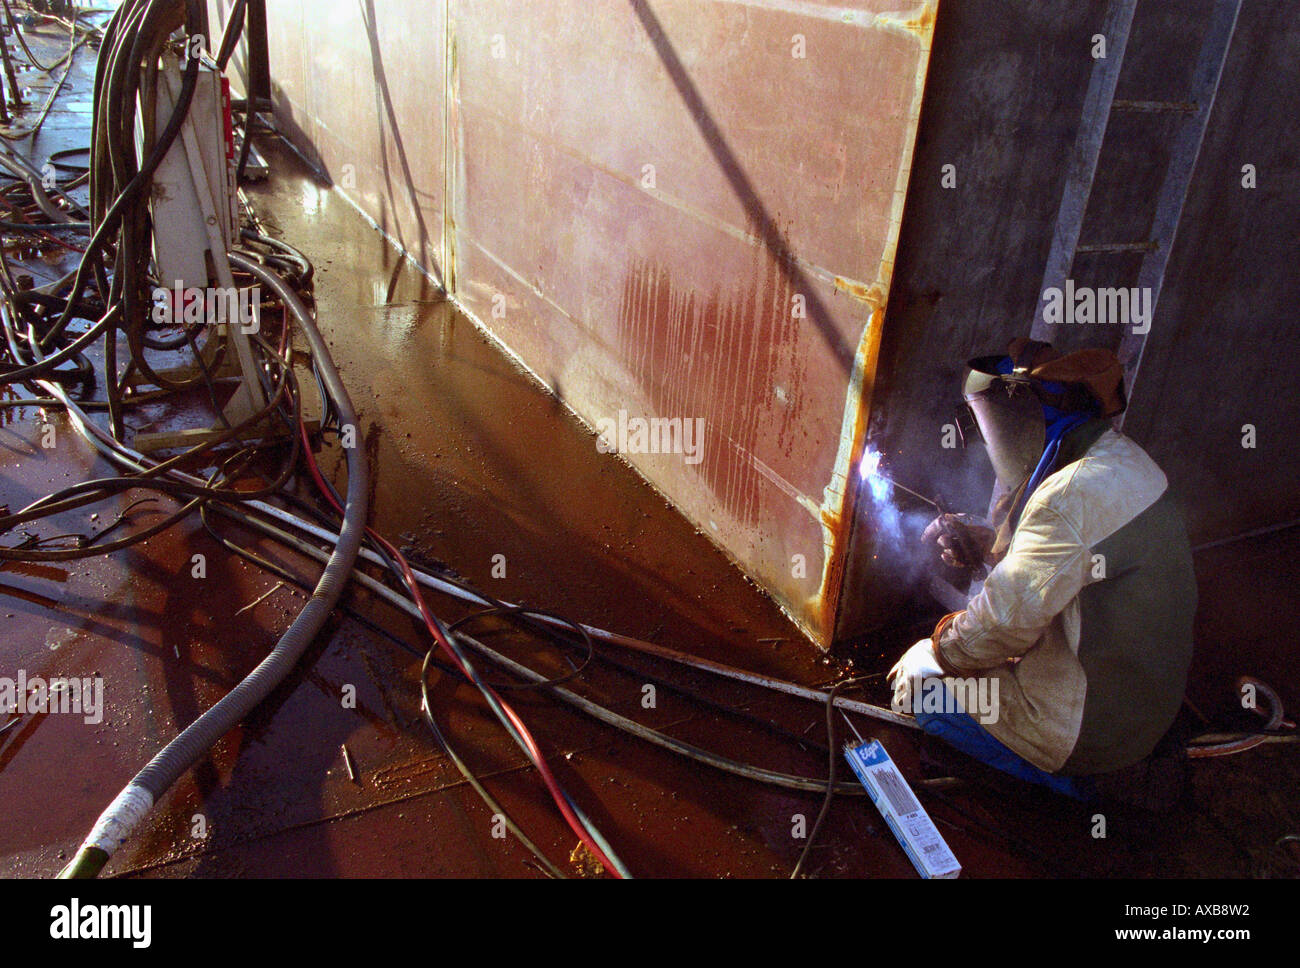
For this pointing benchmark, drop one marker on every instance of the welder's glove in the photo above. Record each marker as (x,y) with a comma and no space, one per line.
(918,662)
(963,542)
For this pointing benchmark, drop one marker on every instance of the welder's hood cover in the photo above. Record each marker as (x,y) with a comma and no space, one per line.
(1092,378)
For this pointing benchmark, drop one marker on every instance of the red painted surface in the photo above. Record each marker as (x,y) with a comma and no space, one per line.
(679,209)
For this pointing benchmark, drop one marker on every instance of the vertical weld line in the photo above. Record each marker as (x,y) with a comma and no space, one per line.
(744,331)
(675,347)
(633,321)
(652,334)
(790,332)
(665,401)
(448,155)
(624,312)
(646,335)
(713,339)
(663,340)
(684,357)
(675,315)
(834,568)
(744,342)
(691,315)
(721,384)
(733,342)
(755,325)
(771,280)
(635,337)
(672,350)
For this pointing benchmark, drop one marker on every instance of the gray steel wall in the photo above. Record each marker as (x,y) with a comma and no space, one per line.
(1002,104)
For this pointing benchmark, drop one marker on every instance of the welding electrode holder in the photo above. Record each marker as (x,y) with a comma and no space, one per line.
(963,545)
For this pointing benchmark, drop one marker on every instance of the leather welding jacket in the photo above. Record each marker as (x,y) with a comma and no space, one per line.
(1087,620)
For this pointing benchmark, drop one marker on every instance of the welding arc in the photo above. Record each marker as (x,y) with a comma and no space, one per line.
(875,471)
(136,34)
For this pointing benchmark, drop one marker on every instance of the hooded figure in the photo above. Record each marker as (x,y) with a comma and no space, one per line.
(1085,619)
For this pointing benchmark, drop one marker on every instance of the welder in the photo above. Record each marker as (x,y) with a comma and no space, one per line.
(1085,612)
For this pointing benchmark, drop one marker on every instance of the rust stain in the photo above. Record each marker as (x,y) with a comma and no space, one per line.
(872,292)
(923,23)
(696,353)
(919,23)
(732,352)
(711,355)
(840,495)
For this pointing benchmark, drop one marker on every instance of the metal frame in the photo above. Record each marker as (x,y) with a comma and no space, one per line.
(1178,178)
(1099,103)
(1082,168)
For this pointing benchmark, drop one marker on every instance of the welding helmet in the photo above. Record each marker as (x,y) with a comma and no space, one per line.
(1014,398)
(1009,417)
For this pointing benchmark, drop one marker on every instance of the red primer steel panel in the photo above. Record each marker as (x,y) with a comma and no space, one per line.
(358,88)
(671,210)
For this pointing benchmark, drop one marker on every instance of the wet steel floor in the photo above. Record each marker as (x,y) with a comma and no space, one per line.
(473,459)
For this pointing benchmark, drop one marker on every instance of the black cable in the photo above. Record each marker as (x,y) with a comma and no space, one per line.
(804,742)
(13,25)
(234,30)
(523,612)
(132,192)
(426,708)
(833,759)
(88,492)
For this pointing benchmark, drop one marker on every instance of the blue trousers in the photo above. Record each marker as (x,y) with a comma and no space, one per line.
(963,732)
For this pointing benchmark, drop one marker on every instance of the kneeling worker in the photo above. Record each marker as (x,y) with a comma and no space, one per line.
(1085,618)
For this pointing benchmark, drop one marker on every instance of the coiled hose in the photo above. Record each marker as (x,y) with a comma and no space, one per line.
(132,805)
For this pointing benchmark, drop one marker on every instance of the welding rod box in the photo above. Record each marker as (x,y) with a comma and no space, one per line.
(892,796)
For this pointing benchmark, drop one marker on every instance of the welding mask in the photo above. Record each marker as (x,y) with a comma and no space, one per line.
(1007,411)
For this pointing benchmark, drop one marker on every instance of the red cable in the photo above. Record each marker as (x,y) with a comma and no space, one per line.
(534,752)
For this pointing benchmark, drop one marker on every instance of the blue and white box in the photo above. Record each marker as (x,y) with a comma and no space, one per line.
(896,802)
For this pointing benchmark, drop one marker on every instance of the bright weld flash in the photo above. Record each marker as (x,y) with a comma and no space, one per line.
(869,470)
(870,465)
(882,488)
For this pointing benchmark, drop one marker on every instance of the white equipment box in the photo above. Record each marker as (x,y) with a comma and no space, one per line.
(182,234)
